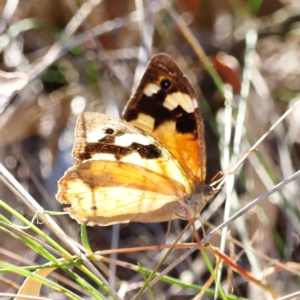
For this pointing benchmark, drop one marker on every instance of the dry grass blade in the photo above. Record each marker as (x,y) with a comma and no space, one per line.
(10,181)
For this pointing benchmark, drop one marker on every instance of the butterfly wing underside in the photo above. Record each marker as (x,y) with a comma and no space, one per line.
(165,105)
(122,174)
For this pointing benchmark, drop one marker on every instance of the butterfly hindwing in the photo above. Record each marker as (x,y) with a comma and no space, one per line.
(109,192)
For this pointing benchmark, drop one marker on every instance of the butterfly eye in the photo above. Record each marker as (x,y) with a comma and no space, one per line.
(208,191)
(165,84)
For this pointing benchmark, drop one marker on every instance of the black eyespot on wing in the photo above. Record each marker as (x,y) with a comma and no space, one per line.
(165,84)
(109,131)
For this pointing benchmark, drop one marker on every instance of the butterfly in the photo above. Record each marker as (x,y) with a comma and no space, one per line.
(150,167)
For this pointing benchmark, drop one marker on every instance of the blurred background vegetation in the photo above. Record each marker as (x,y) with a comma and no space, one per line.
(74,56)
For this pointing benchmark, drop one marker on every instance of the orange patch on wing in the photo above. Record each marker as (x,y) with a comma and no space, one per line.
(184,147)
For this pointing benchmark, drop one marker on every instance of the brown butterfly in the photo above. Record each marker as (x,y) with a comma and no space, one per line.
(150,168)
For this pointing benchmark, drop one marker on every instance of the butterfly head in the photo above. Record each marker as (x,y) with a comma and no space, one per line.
(202,196)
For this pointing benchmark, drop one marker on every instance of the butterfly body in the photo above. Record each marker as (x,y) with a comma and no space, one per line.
(144,169)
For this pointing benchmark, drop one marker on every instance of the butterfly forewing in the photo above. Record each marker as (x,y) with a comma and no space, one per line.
(165,105)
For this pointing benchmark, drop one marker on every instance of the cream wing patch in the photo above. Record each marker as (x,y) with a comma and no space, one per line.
(151,89)
(179,99)
(144,122)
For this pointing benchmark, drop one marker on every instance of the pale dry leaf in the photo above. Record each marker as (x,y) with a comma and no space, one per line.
(11,82)
(32,287)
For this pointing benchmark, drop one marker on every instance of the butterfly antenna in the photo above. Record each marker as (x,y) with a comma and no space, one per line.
(214,179)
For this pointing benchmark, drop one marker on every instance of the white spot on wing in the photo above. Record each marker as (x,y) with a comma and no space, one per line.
(124,140)
(128,139)
(151,89)
(184,100)
(103,156)
(94,136)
